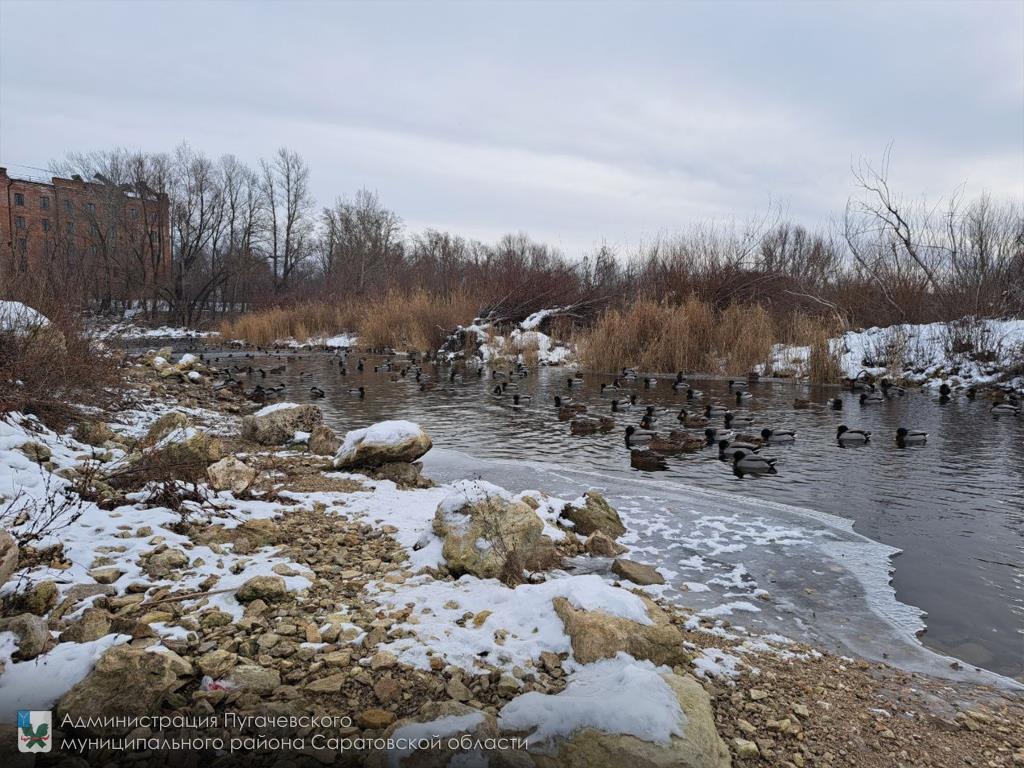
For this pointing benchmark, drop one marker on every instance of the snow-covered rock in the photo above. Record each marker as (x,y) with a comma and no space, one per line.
(277,424)
(382,443)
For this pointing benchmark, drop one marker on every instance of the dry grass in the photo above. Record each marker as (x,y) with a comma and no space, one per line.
(414,320)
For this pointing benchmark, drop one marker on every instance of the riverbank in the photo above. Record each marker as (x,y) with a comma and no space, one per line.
(310,590)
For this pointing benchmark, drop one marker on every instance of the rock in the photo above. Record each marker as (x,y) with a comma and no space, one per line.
(483,527)
(163,426)
(31,632)
(125,681)
(330,684)
(94,624)
(745,748)
(94,433)
(375,719)
(457,690)
(387,689)
(215,618)
(596,514)
(217,663)
(383,660)
(8,556)
(106,575)
(277,424)
(602,545)
(756,694)
(338,658)
(698,747)
(160,563)
(478,726)
(382,443)
(402,474)
(267,588)
(231,474)
(41,598)
(638,573)
(255,678)
(77,594)
(36,451)
(597,635)
(323,441)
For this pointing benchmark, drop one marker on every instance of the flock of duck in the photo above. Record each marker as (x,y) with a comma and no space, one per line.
(699,423)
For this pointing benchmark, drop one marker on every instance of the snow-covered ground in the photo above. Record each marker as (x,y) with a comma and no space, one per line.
(16,317)
(965,353)
(522,343)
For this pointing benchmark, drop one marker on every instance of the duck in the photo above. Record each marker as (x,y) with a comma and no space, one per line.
(498,391)
(847,436)
(971,393)
(650,382)
(871,398)
(647,460)
(727,450)
(715,410)
(359,392)
(1004,408)
(315,391)
(744,463)
(906,436)
(738,420)
(629,374)
(891,390)
(800,403)
(691,419)
(945,391)
(713,435)
(675,443)
(688,440)
(836,403)
(569,404)
(588,425)
(624,405)
(694,394)
(574,382)
(733,384)
(611,388)
(639,435)
(743,395)
(680,382)
(778,435)
(650,415)
(518,401)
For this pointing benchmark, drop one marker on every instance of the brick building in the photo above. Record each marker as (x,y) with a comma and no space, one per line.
(116,237)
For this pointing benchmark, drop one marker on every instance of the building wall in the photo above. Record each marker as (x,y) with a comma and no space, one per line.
(119,241)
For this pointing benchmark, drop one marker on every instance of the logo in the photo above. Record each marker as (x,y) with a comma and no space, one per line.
(34,731)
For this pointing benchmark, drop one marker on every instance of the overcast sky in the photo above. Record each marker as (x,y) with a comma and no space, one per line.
(576,122)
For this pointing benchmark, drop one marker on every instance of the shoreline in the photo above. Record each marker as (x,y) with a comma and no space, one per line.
(376,521)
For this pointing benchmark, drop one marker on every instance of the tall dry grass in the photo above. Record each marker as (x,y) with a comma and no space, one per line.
(301,322)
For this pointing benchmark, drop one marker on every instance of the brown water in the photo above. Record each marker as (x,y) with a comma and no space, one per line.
(955,506)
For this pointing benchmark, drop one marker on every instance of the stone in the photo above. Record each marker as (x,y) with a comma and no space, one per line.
(745,748)
(323,441)
(387,689)
(36,451)
(217,663)
(477,725)
(600,544)
(231,474)
(482,528)
(699,746)
(338,658)
(94,433)
(267,588)
(8,556)
(375,719)
(160,563)
(402,473)
(638,573)
(41,598)
(125,681)
(254,678)
(382,443)
(94,624)
(106,575)
(330,684)
(383,660)
(756,694)
(457,690)
(31,632)
(278,425)
(596,514)
(77,594)
(215,618)
(598,635)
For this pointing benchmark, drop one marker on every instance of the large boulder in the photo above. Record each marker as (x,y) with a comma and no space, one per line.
(486,531)
(450,718)
(382,443)
(31,633)
(677,730)
(636,572)
(593,513)
(598,635)
(8,556)
(125,681)
(277,424)
(323,441)
(267,588)
(230,474)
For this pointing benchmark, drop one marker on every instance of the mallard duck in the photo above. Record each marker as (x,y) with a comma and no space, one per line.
(694,394)
(713,435)
(836,403)
(726,450)
(629,374)
(520,401)
(738,419)
(778,435)
(733,384)
(588,425)
(687,441)
(611,389)
(647,460)
(650,382)
(691,419)
(680,383)
(569,403)
(574,382)
(650,415)
(1004,408)
(639,435)
(743,395)
(800,403)
(871,398)
(624,405)
(357,392)
(945,391)
(316,391)
(906,436)
(745,463)
(847,436)
(715,410)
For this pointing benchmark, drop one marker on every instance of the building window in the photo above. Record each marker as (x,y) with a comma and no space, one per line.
(67,206)
(44,203)
(22,244)
(135,212)
(92,207)
(46,225)
(71,227)
(19,199)
(19,222)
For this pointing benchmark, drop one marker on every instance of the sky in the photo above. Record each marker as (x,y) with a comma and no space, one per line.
(576,122)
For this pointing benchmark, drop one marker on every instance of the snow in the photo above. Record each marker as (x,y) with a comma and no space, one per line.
(523,339)
(382,434)
(342,340)
(620,695)
(714,662)
(16,317)
(269,409)
(523,616)
(440,728)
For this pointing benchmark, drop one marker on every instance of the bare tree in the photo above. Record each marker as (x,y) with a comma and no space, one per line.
(285,182)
